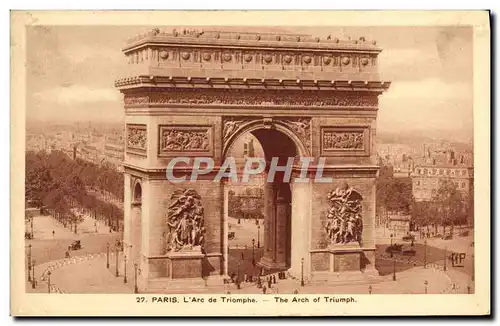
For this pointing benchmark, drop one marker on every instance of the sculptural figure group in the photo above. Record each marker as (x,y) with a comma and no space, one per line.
(344,221)
(185,220)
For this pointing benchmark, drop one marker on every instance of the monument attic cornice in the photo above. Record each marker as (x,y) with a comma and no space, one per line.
(244,40)
(250,83)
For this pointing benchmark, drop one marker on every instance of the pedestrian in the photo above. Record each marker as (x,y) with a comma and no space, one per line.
(242,256)
(274,279)
(269,282)
(53,233)
(238,283)
(264,289)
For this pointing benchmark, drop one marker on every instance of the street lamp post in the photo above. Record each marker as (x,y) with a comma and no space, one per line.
(116,250)
(444,268)
(136,288)
(391,246)
(48,283)
(253,252)
(33,279)
(124,268)
(425,253)
(302,271)
(29,262)
(238,275)
(370,289)
(107,255)
(473,268)
(258,236)
(394,269)
(32,230)
(426,283)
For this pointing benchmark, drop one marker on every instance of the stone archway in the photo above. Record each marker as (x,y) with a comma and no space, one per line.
(285,215)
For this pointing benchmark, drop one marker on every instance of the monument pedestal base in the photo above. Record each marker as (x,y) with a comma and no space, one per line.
(186,264)
(345,267)
(345,258)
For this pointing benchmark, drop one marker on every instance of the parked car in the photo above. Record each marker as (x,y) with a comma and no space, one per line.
(464,234)
(409,237)
(75,245)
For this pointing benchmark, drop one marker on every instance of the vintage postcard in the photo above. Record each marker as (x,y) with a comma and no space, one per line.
(250,163)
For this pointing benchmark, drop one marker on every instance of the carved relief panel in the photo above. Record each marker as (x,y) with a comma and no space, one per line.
(189,140)
(137,139)
(185,220)
(345,141)
(344,223)
(301,127)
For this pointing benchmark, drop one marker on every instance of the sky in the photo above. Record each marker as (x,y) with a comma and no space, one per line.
(71,72)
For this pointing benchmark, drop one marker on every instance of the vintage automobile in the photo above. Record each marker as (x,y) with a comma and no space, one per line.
(75,245)
(231,236)
(408,238)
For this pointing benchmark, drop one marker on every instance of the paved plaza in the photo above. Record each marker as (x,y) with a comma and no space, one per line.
(85,271)
(90,275)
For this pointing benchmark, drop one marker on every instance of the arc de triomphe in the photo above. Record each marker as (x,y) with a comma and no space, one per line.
(194,93)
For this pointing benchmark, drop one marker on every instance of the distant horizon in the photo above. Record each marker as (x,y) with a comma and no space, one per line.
(71,72)
(439,134)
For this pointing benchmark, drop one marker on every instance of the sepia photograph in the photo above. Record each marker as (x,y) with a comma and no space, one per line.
(251,163)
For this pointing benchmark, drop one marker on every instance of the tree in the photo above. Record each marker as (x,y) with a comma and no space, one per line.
(449,203)
(393,195)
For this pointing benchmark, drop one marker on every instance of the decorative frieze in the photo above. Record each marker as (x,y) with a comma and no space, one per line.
(345,141)
(185,139)
(137,138)
(136,99)
(251,97)
(344,223)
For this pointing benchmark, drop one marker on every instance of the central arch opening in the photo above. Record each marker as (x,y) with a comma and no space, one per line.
(259,213)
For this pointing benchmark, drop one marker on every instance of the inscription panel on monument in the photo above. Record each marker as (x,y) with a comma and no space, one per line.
(346,262)
(188,140)
(320,261)
(137,139)
(345,141)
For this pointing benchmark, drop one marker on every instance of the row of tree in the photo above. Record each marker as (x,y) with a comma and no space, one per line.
(249,204)
(59,184)
(448,207)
